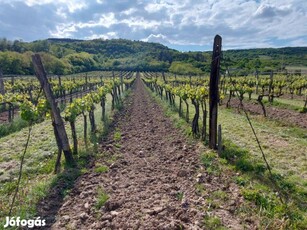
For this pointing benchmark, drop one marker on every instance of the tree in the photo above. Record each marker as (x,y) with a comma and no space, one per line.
(81,61)
(14,63)
(184,68)
(53,65)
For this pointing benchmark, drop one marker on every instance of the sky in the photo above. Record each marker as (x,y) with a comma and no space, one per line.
(185,25)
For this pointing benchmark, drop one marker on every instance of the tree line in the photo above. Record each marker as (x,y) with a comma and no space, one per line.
(67,56)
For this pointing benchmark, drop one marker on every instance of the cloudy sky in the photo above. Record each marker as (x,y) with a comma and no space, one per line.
(181,24)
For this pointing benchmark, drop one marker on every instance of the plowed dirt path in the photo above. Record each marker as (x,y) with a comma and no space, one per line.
(151,178)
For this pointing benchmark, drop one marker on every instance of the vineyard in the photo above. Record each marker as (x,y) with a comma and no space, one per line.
(138,154)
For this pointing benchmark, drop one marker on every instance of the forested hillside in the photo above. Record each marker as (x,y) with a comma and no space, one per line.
(65,56)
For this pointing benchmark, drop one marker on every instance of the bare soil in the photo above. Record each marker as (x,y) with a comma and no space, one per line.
(286,116)
(153,172)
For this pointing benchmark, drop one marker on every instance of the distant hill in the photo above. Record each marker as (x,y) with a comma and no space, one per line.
(115,48)
(65,55)
(64,40)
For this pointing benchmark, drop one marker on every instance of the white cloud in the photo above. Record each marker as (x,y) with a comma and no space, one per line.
(69,29)
(106,20)
(141,23)
(241,23)
(63,31)
(129,11)
(108,35)
(71,5)
(160,38)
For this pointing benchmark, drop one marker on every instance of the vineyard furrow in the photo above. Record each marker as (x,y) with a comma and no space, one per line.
(150,181)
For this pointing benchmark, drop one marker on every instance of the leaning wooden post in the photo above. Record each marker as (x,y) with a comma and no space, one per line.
(56,116)
(214,91)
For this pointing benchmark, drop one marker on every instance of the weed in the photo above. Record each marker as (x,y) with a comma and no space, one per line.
(200,188)
(117,136)
(210,161)
(212,204)
(259,168)
(256,196)
(84,158)
(66,180)
(241,180)
(84,170)
(48,167)
(221,195)
(180,196)
(303,110)
(213,223)
(102,198)
(101,169)
(207,159)
(111,159)
(244,165)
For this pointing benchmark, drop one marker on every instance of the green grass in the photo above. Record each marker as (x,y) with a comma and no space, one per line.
(284,146)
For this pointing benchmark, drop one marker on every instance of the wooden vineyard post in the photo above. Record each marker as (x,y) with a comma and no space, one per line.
(121,81)
(270,97)
(101,82)
(12,83)
(257,81)
(86,83)
(214,91)
(60,84)
(163,76)
(220,142)
(55,112)
(2,89)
